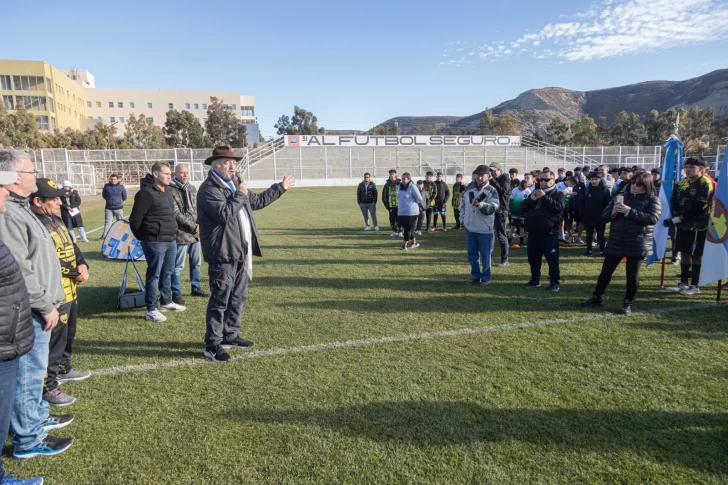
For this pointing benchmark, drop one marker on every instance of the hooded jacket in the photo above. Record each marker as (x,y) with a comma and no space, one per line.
(152,216)
(114,195)
(409,200)
(17,335)
(480,219)
(592,204)
(631,235)
(34,251)
(502,184)
(543,216)
(389,194)
(443,193)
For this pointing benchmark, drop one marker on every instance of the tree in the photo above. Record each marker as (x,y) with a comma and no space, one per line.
(301,123)
(486,122)
(604,133)
(504,125)
(182,130)
(696,123)
(142,133)
(380,130)
(5,126)
(557,132)
(584,132)
(24,132)
(223,127)
(627,129)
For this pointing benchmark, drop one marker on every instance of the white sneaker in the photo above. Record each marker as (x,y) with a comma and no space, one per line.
(691,290)
(678,287)
(579,240)
(419,233)
(415,245)
(400,234)
(367,228)
(172,307)
(156,316)
(394,234)
(376,228)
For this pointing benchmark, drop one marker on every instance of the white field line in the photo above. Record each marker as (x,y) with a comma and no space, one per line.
(126,369)
(94,230)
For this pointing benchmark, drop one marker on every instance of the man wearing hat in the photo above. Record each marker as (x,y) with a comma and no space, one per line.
(501,183)
(45,203)
(33,249)
(229,240)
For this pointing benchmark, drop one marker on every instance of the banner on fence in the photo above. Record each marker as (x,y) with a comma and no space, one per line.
(320,141)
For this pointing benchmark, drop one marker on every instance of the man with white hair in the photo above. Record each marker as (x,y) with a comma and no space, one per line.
(229,240)
(34,250)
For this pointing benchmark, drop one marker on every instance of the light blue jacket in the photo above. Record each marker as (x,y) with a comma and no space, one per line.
(408,200)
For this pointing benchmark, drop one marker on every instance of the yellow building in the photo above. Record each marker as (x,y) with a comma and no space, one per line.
(48,93)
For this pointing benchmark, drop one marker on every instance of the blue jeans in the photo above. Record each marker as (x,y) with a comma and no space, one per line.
(8,376)
(480,247)
(29,408)
(160,266)
(179,264)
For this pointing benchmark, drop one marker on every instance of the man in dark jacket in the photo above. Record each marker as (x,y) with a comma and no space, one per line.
(366,197)
(502,184)
(431,193)
(114,194)
(188,233)
(544,209)
(16,325)
(153,223)
(389,199)
(592,204)
(70,212)
(229,240)
(458,189)
(441,200)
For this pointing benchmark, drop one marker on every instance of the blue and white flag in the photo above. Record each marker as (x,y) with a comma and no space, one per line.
(671,172)
(715,255)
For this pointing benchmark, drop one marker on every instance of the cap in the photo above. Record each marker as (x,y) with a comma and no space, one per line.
(495,165)
(481,169)
(8,178)
(67,183)
(47,188)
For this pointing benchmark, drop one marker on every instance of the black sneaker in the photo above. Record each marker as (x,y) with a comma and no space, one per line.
(587,253)
(237,343)
(602,254)
(594,301)
(54,421)
(48,447)
(554,287)
(626,308)
(471,281)
(200,292)
(179,300)
(532,284)
(216,354)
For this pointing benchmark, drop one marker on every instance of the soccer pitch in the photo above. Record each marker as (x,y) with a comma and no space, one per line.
(374,365)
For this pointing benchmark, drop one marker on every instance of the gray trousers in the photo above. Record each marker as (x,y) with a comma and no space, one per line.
(371,208)
(110,216)
(229,288)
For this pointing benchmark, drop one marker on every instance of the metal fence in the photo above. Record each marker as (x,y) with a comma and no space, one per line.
(88,170)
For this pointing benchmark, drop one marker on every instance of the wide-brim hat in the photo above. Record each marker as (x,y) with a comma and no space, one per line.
(221,152)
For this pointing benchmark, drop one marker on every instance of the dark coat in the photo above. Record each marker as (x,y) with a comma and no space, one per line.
(502,185)
(632,235)
(152,216)
(186,221)
(16,321)
(592,204)
(74,202)
(114,195)
(366,194)
(443,193)
(544,216)
(221,233)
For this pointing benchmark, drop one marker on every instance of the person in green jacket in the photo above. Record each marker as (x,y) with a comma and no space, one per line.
(458,189)
(389,199)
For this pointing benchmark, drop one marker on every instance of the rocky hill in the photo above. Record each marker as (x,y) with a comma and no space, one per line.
(537,107)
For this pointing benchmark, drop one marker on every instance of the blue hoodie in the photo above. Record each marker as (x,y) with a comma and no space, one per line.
(114,195)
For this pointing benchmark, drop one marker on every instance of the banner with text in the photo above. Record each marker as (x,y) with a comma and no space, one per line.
(401,141)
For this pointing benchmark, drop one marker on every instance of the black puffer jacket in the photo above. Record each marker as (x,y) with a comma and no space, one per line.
(152,217)
(443,193)
(367,193)
(593,203)
(16,322)
(632,235)
(502,185)
(218,214)
(186,220)
(543,216)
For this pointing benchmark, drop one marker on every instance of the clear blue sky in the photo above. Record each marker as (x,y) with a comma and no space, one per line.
(357,64)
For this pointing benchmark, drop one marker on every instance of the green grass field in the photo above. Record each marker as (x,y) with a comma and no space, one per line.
(584,398)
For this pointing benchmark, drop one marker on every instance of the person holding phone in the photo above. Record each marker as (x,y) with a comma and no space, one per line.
(633,217)
(593,204)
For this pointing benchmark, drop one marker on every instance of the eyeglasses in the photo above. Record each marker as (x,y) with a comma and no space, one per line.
(545,180)
(34,172)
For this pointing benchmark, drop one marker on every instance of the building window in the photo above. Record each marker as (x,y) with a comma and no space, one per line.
(49,85)
(121,119)
(53,123)
(131,105)
(98,104)
(197,106)
(171,105)
(187,105)
(204,106)
(111,104)
(88,104)
(226,106)
(234,108)
(120,104)
(5,83)
(151,120)
(50,105)
(246,111)
(113,119)
(149,105)
(31,103)
(42,123)
(8,102)
(27,83)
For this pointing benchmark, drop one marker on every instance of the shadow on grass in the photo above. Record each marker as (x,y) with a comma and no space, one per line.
(139,348)
(696,440)
(714,329)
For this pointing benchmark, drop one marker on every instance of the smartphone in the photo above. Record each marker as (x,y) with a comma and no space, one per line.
(619,199)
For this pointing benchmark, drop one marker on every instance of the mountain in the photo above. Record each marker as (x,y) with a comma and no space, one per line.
(537,107)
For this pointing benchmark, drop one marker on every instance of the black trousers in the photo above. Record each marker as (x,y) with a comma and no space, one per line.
(408,226)
(633,275)
(420,218)
(229,288)
(60,347)
(428,214)
(501,235)
(590,236)
(393,219)
(544,245)
(457,218)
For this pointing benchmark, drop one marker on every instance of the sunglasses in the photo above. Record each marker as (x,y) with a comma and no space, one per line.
(545,180)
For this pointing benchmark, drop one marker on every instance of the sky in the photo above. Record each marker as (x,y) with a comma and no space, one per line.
(357,64)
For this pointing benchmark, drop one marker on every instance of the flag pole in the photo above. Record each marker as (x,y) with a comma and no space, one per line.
(662,273)
(720,282)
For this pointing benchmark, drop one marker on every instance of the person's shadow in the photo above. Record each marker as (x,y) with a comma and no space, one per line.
(698,440)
